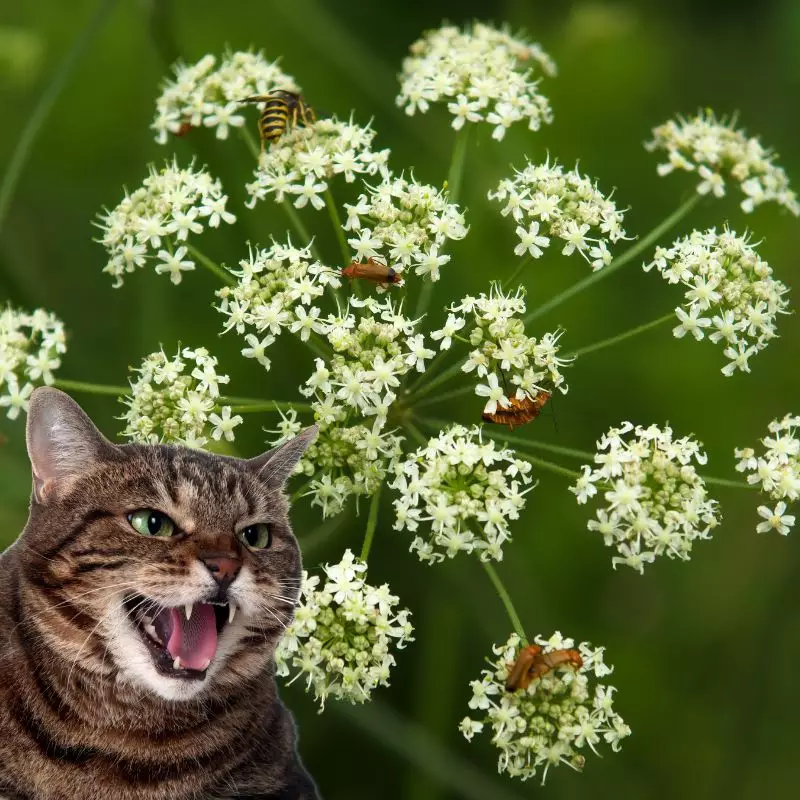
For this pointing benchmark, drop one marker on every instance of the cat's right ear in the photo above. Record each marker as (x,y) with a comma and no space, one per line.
(62,441)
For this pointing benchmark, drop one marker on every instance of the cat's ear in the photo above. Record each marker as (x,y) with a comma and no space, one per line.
(62,440)
(275,466)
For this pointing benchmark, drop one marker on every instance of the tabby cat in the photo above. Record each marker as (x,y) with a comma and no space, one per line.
(139,613)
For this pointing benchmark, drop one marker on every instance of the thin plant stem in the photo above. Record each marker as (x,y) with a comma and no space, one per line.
(211,266)
(549,466)
(272,405)
(500,434)
(415,433)
(301,492)
(632,252)
(621,337)
(456,172)
(46,102)
(446,396)
(728,483)
(433,367)
(372,523)
(297,223)
(91,388)
(323,533)
(336,220)
(251,143)
(505,597)
(454,179)
(509,282)
(427,388)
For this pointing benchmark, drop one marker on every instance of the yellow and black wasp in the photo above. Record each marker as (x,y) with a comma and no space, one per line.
(282,111)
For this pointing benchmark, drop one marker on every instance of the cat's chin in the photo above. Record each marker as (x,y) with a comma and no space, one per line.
(147,645)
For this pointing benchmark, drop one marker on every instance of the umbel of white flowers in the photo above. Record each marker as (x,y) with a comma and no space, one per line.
(31,346)
(483,75)
(343,634)
(554,719)
(776,472)
(655,502)
(730,293)
(177,399)
(464,490)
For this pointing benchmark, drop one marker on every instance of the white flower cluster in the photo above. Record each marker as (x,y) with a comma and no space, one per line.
(276,290)
(467,489)
(305,159)
(31,346)
(483,74)
(656,503)
(404,224)
(154,222)
(343,634)
(711,147)
(729,290)
(562,205)
(177,399)
(776,472)
(203,94)
(551,720)
(526,366)
(372,352)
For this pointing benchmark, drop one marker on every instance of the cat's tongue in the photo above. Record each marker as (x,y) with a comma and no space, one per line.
(193,640)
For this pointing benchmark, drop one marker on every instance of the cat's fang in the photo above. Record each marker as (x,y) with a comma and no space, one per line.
(188,609)
(231,612)
(176,664)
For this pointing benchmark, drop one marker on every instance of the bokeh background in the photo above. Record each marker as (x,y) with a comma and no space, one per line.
(706,652)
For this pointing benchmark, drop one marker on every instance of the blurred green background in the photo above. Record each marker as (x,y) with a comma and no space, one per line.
(706,653)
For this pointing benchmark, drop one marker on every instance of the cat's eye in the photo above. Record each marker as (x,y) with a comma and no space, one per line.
(151,523)
(257,537)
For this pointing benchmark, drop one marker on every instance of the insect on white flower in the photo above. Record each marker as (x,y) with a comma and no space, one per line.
(552,720)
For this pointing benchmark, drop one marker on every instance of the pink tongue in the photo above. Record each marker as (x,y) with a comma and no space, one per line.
(194,641)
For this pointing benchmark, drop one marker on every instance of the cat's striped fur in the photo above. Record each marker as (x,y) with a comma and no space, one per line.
(83,711)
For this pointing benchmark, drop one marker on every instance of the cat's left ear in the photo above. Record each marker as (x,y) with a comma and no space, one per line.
(275,466)
(62,441)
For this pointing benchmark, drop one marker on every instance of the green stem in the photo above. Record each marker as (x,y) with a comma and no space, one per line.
(46,102)
(336,220)
(251,143)
(301,491)
(620,337)
(632,252)
(272,405)
(427,388)
(415,433)
(298,225)
(509,282)
(446,396)
(505,598)
(372,524)
(456,171)
(91,388)
(728,483)
(212,266)
(434,365)
(500,434)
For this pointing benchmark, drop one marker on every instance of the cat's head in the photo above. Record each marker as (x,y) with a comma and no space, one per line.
(154,565)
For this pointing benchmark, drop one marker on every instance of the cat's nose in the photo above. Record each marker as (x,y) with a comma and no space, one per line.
(223,570)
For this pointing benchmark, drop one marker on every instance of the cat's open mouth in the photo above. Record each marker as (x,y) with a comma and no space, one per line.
(182,641)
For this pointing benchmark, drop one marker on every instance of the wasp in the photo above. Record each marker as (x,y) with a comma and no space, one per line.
(282,111)
(532,664)
(372,270)
(518,412)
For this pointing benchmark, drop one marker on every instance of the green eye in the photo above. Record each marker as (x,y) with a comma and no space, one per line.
(257,537)
(151,523)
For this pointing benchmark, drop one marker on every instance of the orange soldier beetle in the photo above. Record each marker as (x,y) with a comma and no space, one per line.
(532,664)
(184,129)
(518,412)
(371,270)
